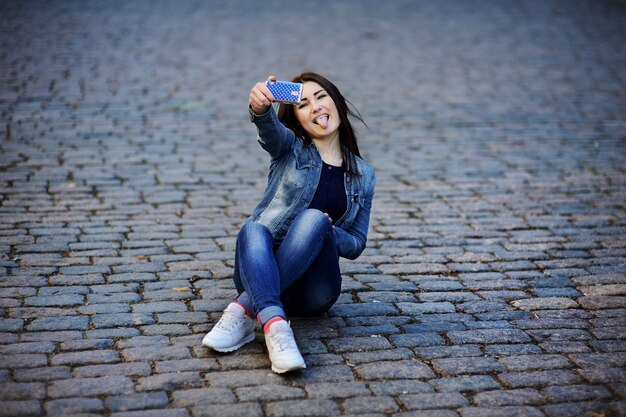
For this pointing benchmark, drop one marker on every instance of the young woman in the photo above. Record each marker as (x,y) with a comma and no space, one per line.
(316,208)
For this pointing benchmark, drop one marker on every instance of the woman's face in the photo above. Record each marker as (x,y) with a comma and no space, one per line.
(317,112)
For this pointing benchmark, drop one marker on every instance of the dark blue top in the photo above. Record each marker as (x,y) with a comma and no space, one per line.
(330,196)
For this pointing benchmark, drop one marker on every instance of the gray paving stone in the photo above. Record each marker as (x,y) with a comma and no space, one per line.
(165,329)
(556,292)
(132,277)
(111,333)
(510,411)
(228,410)
(577,409)
(169,381)
(356,358)
(82,279)
(433,400)
(241,378)
(198,396)
(471,365)
(128,369)
(56,336)
(368,309)
(139,341)
(539,378)
(330,373)
(269,393)
(112,288)
(23,361)
(599,360)
(172,412)
(136,401)
(472,383)
(448,351)
(541,323)
(489,336)
(423,308)
(256,360)
(70,406)
(560,335)
(21,408)
(85,344)
(86,357)
(564,347)
(350,344)
(399,386)
(35,312)
(58,323)
(428,413)
(608,345)
(42,374)
(159,307)
(79,387)
(545,303)
(22,391)
(121,319)
(28,347)
(186,365)
(417,339)
(447,296)
(434,326)
(603,375)
(150,352)
(295,408)
(404,369)
(55,300)
(497,398)
(107,308)
(369,330)
(573,393)
(364,405)
(182,317)
(336,390)
(531,362)
(84,270)
(111,298)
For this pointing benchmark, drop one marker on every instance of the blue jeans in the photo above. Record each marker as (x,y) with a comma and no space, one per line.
(301,277)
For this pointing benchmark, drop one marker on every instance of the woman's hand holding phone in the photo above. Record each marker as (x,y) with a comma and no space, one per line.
(261,97)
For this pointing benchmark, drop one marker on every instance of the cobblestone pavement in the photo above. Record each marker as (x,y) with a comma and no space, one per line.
(494,283)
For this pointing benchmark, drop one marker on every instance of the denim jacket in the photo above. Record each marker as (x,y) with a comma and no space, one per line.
(294,174)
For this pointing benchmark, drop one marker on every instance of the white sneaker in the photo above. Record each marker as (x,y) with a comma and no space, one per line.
(233,330)
(281,345)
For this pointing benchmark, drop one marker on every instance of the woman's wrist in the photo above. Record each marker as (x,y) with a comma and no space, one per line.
(254,114)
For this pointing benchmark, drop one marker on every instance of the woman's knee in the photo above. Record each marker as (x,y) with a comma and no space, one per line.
(252,230)
(253,234)
(313,215)
(312,218)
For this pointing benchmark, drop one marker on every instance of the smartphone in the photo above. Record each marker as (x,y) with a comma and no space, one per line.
(285,91)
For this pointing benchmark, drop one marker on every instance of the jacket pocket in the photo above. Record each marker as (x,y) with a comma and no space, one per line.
(291,177)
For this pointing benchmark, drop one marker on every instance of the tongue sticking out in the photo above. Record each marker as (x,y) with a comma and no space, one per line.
(322,121)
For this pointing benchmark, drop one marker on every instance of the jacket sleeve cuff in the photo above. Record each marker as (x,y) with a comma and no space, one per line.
(259,116)
(349,247)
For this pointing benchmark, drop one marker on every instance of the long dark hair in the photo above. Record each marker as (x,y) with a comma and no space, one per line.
(347,135)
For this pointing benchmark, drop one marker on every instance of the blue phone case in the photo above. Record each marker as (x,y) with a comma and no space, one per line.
(285,92)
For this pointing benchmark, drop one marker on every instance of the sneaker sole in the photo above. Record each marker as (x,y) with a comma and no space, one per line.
(249,338)
(292,368)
